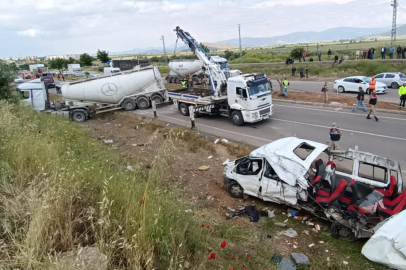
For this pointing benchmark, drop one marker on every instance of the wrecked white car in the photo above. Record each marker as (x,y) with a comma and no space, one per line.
(343,186)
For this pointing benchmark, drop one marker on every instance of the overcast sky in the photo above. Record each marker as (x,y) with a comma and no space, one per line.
(48,27)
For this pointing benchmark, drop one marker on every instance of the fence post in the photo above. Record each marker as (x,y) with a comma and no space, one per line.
(154,108)
(192,116)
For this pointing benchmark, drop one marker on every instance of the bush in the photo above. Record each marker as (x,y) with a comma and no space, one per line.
(7,87)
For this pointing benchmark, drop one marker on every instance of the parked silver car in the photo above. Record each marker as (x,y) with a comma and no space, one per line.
(391,79)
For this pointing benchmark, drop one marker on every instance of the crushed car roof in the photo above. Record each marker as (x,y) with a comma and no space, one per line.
(288,165)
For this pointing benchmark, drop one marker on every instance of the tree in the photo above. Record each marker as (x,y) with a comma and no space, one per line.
(296,52)
(58,63)
(24,67)
(85,60)
(228,54)
(7,75)
(204,47)
(103,56)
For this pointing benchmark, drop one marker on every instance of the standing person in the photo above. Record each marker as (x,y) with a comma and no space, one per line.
(293,71)
(301,72)
(402,96)
(372,85)
(383,52)
(373,100)
(183,82)
(304,56)
(311,58)
(335,59)
(63,77)
(372,53)
(391,52)
(364,54)
(329,53)
(399,51)
(357,53)
(335,136)
(325,91)
(360,100)
(319,55)
(307,71)
(285,87)
(404,53)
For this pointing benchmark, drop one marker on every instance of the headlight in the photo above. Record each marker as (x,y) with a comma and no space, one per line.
(255,115)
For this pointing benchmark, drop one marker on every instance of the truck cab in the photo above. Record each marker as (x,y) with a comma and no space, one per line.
(250,95)
(35,94)
(111,70)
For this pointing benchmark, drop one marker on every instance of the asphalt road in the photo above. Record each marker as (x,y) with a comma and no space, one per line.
(386,138)
(391,95)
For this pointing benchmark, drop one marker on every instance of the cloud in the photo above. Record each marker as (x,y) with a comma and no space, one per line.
(28,33)
(297,3)
(173,8)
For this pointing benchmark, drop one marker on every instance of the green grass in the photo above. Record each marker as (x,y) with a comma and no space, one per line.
(59,189)
(361,67)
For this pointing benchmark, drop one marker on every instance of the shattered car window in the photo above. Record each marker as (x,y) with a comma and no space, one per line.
(373,172)
(303,150)
(249,167)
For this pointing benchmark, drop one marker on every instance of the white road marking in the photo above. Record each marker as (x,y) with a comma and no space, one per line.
(350,130)
(320,110)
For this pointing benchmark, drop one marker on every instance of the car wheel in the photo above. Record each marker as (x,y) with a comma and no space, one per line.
(129,105)
(78,116)
(341,89)
(236,118)
(394,85)
(235,190)
(143,103)
(184,109)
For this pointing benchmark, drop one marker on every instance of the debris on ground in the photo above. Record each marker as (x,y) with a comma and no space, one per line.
(204,168)
(130,168)
(276,259)
(271,214)
(186,265)
(289,232)
(287,264)
(345,263)
(216,141)
(279,224)
(210,157)
(249,211)
(108,141)
(224,140)
(299,258)
(311,245)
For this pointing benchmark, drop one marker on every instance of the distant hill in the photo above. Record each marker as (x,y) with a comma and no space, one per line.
(400,31)
(302,37)
(297,37)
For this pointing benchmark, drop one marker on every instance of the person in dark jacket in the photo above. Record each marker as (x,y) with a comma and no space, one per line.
(294,71)
(361,100)
(335,136)
(329,53)
(404,53)
(399,51)
(301,72)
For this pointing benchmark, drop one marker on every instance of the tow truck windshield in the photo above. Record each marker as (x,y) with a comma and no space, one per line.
(259,87)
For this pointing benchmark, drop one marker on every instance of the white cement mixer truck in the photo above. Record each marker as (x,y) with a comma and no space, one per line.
(126,90)
(179,69)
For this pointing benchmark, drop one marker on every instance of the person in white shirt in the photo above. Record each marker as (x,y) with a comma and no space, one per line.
(357,53)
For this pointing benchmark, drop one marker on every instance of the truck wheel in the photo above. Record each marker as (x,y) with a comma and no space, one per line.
(184,109)
(157,99)
(79,116)
(177,80)
(129,105)
(236,118)
(235,190)
(143,103)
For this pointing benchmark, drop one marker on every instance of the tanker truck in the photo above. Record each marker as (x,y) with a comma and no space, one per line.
(82,99)
(179,69)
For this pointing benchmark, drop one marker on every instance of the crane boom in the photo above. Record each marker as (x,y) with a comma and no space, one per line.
(212,69)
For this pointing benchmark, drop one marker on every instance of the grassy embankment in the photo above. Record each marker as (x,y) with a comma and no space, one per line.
(60,189)
(362,67)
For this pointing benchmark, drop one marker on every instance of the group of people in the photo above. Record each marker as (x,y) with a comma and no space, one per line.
(398,53)
(302,74)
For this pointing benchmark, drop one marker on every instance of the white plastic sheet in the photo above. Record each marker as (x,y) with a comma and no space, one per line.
(388,245)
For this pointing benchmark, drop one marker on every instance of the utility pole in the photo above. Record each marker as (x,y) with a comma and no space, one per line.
(163,42)
(239,35)
(393,36)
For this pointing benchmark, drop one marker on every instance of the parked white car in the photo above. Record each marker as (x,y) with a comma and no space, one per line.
(391,79)
(18,80)
(352,84)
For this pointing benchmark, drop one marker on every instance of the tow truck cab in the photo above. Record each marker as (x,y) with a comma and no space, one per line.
(251,94)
